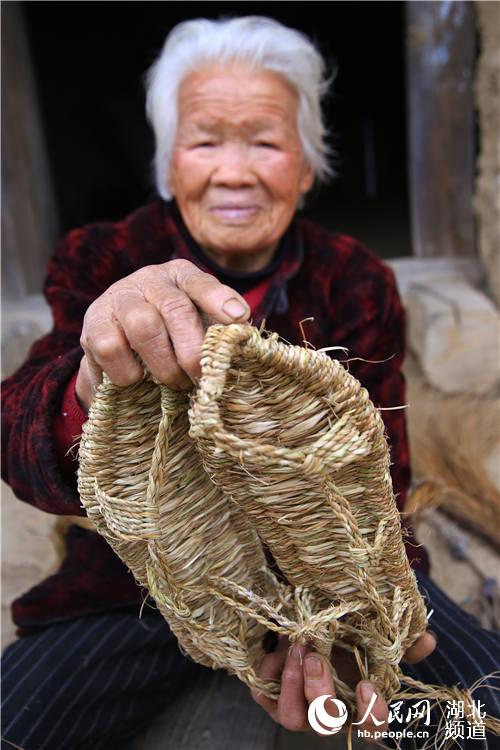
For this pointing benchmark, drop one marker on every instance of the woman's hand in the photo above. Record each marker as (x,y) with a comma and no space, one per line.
(305,675)
(156,312)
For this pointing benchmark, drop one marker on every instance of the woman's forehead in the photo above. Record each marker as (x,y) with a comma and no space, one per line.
(255,112)
(208,121)
(237,87)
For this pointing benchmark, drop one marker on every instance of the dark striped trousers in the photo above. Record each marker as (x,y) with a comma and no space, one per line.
(94,682)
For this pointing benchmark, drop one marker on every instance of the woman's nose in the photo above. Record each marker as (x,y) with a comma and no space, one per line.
(234,168)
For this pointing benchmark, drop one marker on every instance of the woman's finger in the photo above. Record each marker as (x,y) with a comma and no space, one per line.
(292,708)
(107,349)
(185,328)
(148,334)
(421,649)
(88,381)
(318,678)
(209,295)
(271,668)
(373,713)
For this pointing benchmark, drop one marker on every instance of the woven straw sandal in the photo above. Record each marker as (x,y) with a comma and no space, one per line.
(276,445)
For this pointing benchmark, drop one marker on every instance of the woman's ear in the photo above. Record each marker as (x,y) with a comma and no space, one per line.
(171,180)
(307,178)
(306,184)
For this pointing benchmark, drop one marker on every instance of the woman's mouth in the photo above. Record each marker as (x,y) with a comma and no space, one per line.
(235,213)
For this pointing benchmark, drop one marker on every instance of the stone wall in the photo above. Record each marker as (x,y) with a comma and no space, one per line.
(487,90)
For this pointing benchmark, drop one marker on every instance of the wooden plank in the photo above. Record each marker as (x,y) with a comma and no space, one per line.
(30,226)
(487,90)
(441,120)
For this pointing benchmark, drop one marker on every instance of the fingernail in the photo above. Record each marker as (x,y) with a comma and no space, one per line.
(234,308)
(313,666)
(366,689)
(296,653)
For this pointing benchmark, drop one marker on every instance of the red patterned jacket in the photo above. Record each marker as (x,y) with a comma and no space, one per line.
(344,286)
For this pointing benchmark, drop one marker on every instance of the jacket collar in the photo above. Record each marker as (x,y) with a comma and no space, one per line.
(274,299)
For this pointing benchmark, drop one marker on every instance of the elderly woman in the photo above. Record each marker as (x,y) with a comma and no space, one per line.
(235,106)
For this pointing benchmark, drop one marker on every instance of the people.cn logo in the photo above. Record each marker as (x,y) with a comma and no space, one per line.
(323,722)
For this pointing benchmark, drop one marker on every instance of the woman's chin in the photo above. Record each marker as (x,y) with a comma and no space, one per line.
(240,238)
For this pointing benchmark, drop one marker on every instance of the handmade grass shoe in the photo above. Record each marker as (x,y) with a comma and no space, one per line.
(277,445)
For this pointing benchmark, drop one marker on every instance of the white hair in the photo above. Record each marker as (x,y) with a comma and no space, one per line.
(263,43)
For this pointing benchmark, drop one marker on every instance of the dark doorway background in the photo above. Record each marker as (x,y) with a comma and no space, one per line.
(89,61)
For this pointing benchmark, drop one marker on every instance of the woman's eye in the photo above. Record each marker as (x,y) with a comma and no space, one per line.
(266,144)
(204,144)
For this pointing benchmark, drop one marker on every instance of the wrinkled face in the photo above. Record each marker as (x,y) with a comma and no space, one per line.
(238,170)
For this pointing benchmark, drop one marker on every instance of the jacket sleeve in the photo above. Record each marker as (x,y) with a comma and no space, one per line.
(81,268)
(381,341)
(380,338)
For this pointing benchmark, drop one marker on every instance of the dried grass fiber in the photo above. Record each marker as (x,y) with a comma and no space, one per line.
(276,444)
